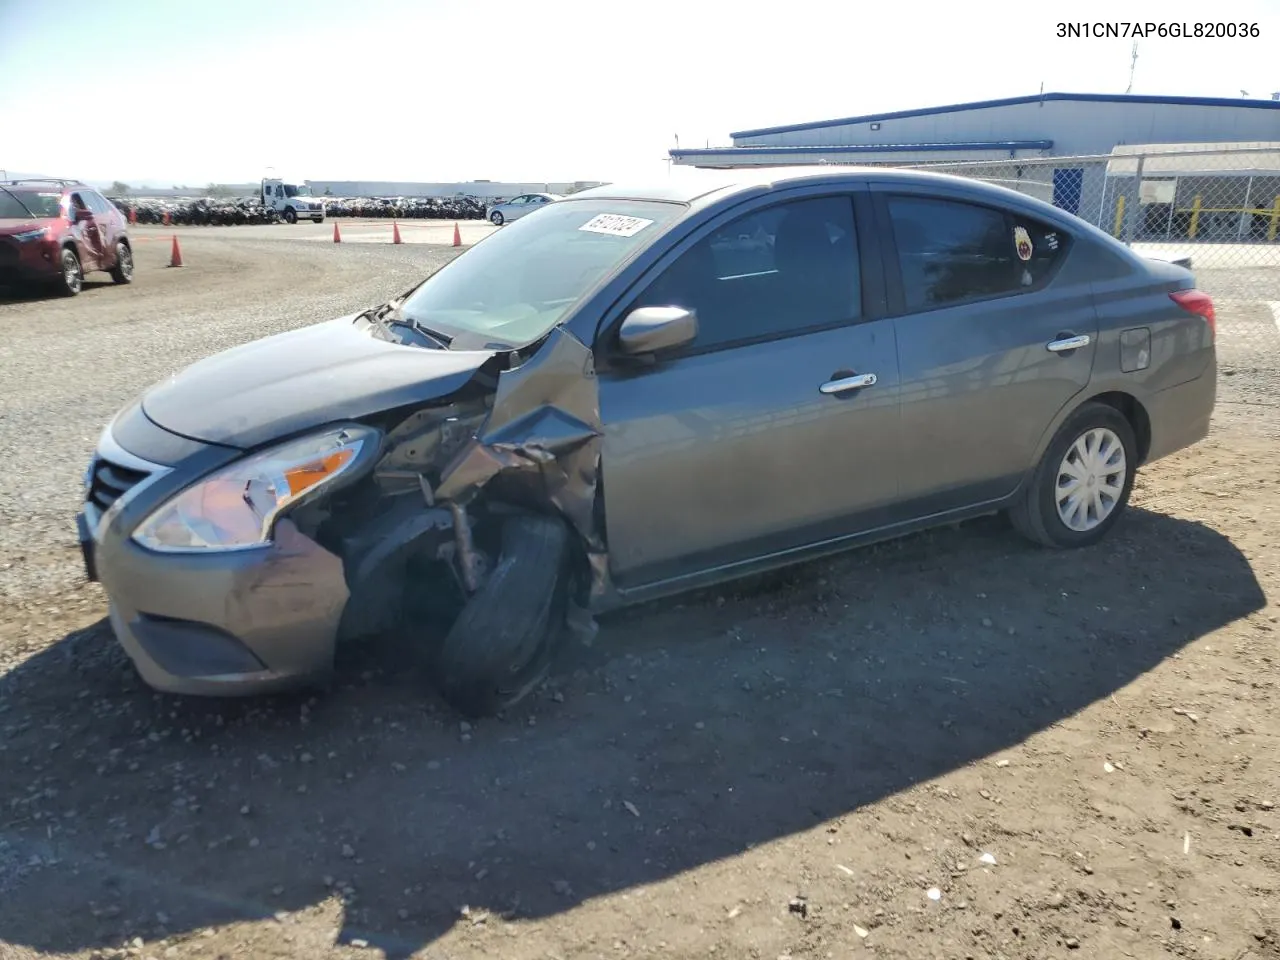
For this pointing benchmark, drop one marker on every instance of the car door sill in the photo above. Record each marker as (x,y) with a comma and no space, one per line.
(656,589)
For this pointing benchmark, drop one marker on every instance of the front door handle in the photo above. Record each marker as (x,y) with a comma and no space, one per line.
(844,384)
(1069,343)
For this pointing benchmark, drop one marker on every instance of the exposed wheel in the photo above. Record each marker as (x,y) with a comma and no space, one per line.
(503,642)
(72,273)
(1082,484)
(290,215)
(496,218)
(122,272)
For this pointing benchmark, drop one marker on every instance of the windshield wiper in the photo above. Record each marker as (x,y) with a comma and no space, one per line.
(388,316)
(415,324)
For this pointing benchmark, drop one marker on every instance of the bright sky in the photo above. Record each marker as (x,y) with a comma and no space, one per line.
(197,91)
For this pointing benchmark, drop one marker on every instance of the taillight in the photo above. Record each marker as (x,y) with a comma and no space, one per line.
(1199,303)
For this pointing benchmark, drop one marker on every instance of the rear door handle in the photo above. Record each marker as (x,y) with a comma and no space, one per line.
(845,384)
(1069,343)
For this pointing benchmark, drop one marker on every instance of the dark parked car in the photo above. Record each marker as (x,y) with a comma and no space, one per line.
(56,231)
(635,393)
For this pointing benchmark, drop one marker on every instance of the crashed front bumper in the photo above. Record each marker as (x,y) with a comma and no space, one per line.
(221,624)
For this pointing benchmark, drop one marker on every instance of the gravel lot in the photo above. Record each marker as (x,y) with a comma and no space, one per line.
(955,745)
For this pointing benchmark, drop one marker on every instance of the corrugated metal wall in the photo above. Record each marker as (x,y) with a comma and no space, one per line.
(1077,128)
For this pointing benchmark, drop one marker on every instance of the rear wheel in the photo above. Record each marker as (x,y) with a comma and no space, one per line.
(503,642)
(1082,483)
(122,272)
(72,279)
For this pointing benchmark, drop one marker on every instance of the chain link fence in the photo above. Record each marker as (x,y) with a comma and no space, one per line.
(1218,204)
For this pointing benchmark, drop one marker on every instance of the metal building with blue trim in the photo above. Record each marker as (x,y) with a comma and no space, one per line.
(1045,125)
(1033,130)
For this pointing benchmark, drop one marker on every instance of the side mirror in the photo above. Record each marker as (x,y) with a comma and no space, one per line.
(83,214)
(653,329)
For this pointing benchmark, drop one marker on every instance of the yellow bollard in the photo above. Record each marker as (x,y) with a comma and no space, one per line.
(1119,216)
(1195,217)
(1275,219)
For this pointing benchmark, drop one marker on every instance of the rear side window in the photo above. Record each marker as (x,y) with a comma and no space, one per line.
(768,274)
(952,252)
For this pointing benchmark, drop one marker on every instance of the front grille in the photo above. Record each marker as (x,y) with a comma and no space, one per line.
(110,482)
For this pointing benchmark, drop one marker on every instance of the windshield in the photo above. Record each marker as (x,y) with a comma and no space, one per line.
(291,191)
(25,204)
(519,282)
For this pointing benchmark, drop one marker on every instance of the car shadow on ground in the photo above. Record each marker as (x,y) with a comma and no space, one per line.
(34,293)
(686,734)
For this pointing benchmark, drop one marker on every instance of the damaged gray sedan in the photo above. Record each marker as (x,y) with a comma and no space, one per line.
(636,393)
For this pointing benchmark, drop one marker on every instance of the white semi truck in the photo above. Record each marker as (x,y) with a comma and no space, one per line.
(291,201)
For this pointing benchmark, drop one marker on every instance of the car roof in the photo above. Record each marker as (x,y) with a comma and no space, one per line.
(699,188)
(43,183)
(694,184)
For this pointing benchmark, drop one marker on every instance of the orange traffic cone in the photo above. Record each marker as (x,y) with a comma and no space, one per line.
(395,232)
(133,214)
(337,237)
(175,257)
(166,218)
(457,236)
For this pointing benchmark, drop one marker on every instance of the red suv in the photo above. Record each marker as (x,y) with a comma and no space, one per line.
(56,231)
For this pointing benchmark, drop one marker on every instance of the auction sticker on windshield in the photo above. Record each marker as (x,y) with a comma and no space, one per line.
(615,225)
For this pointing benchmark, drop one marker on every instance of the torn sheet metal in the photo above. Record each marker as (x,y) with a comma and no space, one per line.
(545,422)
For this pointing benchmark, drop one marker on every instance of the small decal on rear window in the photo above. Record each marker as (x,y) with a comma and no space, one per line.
(1022,241)
(615,225)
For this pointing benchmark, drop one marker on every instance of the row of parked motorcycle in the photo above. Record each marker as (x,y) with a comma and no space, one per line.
(206,211)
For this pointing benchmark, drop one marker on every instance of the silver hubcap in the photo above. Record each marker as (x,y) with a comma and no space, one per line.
(72,270)
(1090,479)
(126,261)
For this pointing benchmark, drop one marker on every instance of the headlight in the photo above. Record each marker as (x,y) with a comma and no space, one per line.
(28,235)
(236,507)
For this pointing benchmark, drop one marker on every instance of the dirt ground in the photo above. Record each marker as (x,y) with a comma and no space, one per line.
(956,745)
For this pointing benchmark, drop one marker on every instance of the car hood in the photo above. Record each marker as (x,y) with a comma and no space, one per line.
(295,381)
(10,225)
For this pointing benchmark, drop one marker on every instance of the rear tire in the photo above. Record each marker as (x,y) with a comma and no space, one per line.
(122,272)
(1059,507)
(503,642)
(72,280)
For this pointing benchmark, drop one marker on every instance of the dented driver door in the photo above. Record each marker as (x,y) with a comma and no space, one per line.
(776,428)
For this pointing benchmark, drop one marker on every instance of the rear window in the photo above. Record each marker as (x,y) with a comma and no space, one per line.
(954,252)
(25,204)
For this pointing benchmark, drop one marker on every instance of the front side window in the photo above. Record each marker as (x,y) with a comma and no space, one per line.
(515,285)
(952,252)
(768,274)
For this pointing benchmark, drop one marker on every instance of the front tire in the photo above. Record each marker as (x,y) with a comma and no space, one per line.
(122,272)
(496,218)
(505,639)
(72,273)
(290,215)
(1082,484)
